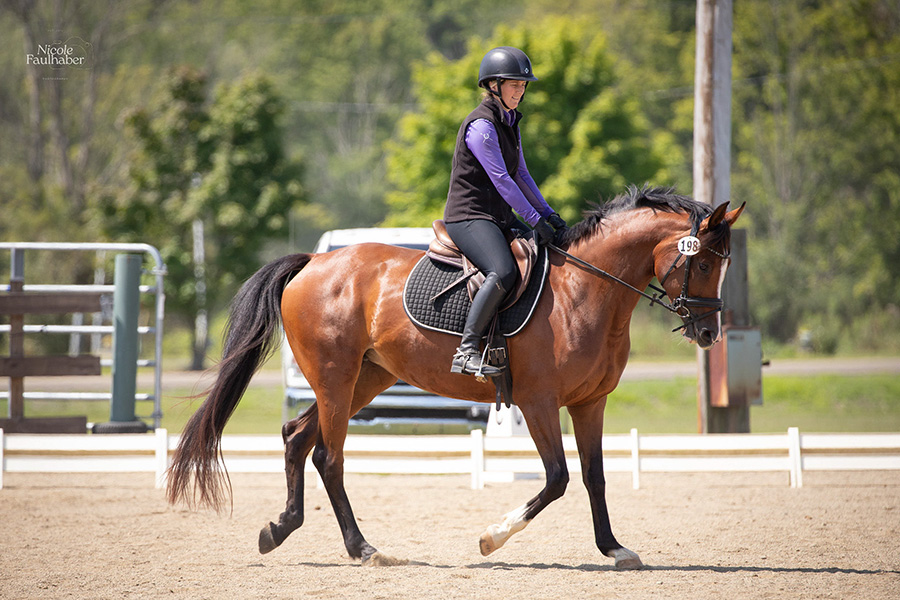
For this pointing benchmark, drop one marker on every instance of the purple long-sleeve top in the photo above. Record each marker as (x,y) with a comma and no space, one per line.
(519,189)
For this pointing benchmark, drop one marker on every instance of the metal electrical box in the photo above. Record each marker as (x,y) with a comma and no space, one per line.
(735,365)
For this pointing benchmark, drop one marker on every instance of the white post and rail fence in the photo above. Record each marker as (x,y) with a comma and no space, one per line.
(485,458)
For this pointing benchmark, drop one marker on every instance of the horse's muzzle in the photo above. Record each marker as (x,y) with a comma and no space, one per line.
(707,338)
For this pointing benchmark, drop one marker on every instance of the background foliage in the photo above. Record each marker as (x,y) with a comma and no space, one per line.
(357,103)
(584,140)
(217,165)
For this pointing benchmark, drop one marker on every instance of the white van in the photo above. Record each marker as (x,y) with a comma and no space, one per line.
(402,408)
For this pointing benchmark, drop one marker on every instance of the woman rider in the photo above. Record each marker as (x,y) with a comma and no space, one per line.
(488,181)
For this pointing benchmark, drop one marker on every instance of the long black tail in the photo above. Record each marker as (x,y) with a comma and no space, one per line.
(252,334)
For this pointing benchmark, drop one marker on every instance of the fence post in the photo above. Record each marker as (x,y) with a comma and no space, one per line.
(506,421)
(16,406)
(126,308)
(635,459)
(162,457)
(477,459)
(794,457)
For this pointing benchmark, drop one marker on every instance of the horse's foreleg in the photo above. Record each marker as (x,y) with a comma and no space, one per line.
(299,436)
(543,425)
(588,424)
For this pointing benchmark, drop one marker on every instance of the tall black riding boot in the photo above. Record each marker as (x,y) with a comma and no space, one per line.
(468,356)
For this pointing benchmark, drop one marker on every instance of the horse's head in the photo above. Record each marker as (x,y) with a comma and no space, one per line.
(691,269)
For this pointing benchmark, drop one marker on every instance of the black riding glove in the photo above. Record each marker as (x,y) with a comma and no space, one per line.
(543,233)
(557,221)
(561,228)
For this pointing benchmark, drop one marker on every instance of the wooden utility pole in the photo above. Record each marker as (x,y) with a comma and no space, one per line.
(712,170)
(712,103)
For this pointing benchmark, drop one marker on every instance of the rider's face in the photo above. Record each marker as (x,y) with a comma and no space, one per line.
(512,91)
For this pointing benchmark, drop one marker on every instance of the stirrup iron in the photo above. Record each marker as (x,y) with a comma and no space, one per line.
(461,365)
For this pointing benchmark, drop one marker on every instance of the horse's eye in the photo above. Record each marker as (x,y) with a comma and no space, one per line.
(704,267)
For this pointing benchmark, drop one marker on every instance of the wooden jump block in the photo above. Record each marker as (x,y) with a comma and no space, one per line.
(30,303)
(48,366)
(44,425)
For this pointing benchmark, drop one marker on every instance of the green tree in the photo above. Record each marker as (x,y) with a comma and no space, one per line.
(218,164)
(817,133)
(651,45)
(59,141)
(345,68)
(584,139)
(56,121)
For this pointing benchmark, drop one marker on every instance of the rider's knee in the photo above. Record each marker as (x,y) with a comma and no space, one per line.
(504,278)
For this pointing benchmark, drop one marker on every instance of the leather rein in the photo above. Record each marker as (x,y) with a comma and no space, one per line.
(683,304)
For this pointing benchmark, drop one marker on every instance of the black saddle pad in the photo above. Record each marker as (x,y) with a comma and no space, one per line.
(447,313)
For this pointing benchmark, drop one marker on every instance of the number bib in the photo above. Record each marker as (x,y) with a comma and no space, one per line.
(689,245)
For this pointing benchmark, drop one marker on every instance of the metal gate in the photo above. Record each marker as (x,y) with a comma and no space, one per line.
(17,253)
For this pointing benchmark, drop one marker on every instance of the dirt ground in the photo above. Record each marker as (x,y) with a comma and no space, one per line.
(701,536)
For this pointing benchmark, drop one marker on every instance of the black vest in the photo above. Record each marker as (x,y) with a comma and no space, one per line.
(472,195)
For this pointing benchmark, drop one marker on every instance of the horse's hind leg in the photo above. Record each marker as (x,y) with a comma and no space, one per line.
(299,435)
(330,466)
(328,456)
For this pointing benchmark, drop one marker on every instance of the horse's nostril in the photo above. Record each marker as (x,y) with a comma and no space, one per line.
(706,337)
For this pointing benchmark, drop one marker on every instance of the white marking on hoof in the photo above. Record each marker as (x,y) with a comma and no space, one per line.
(626,560)
(496,535)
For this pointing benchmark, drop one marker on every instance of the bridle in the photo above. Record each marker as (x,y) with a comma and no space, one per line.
(684,303)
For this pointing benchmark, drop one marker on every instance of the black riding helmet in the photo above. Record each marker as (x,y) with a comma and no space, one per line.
(504,62)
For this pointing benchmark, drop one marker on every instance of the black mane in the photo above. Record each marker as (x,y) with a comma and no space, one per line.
(655,198)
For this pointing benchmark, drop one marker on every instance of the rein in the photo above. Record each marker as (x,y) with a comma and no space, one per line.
(602,273)
(682,305)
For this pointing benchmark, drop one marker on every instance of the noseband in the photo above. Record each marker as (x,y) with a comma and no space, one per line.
(684,303)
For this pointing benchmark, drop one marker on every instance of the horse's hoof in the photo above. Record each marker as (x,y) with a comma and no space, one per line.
(626,560)
(487,543)
(267,541)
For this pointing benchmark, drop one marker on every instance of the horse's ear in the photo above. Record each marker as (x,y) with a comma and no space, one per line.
(732,216)
(716,217)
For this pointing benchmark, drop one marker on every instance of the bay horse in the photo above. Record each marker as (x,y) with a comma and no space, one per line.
(343,317)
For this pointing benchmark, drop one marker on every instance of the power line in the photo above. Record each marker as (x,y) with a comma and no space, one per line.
(352,107)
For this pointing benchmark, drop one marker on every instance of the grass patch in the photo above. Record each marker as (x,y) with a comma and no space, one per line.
(829,403)
(259,411)
(818,403)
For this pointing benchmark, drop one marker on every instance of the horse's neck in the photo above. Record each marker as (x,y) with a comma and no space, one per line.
(625,246)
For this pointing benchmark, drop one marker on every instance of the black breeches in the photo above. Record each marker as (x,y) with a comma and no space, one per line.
(486,246)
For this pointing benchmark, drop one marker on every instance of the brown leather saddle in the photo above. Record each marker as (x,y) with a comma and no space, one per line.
(442,249)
